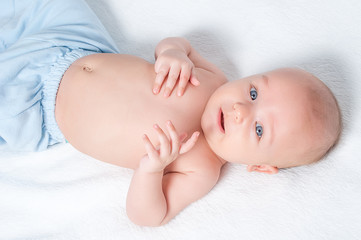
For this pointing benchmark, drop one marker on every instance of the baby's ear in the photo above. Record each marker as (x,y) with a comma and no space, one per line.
(262,168)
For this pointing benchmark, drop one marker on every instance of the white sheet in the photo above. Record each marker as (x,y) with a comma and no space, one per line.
(63,194)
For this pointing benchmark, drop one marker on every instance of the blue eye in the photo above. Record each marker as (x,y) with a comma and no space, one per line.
(253,93)
(259,130)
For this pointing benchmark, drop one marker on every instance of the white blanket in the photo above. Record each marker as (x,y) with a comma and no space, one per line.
(63,194)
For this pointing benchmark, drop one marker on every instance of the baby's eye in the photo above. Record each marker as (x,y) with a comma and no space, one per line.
(259,130)
(253,93)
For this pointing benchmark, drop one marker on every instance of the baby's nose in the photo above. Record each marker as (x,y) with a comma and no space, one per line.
(241,111)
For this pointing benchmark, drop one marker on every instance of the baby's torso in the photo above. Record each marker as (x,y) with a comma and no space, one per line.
(105,104)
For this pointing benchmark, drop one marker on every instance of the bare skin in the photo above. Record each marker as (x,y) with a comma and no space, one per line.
(105,104)
(104,112)
(125,111)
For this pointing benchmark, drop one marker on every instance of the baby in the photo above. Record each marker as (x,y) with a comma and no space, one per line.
(126,111)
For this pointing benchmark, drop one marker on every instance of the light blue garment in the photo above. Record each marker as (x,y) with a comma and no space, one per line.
(39,39)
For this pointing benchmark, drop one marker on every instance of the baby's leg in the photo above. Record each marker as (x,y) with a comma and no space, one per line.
(39,41)
(45,19)
(7,30)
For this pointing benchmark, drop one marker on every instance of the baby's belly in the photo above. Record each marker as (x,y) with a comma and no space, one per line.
(105,104)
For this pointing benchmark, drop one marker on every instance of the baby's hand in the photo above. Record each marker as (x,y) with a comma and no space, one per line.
(176,65)
(169,149)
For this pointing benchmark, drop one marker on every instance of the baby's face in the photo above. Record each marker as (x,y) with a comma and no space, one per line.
(260,119)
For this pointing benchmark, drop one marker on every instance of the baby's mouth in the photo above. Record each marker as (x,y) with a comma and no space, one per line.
(221,121)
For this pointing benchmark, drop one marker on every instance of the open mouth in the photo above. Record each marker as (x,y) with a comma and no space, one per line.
(221,121)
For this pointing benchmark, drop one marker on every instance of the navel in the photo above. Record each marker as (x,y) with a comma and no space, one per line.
(87,68)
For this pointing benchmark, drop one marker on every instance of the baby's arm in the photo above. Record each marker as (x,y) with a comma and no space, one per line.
(154,199)
(177,59)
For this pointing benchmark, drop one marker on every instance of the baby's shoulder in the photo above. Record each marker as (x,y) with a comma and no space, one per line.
(201,161)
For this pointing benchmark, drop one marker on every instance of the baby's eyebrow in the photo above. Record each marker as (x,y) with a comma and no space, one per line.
(265,80)
(271,130)
(271,119)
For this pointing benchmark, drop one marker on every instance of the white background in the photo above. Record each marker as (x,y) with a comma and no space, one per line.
(62,194)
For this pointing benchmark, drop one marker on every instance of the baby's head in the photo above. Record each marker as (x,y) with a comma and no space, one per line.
(279,119)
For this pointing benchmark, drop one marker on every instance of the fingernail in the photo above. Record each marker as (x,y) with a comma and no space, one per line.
(169,123)
(180,93)
(166,92)
(155,126)
(155,90)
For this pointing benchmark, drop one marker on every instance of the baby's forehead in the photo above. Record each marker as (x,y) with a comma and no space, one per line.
(296,82)
(294,76)
(290,72)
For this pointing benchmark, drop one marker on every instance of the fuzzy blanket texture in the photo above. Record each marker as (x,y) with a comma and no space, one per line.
(63,194)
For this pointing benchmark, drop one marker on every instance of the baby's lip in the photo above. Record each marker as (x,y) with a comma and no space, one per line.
(221,121)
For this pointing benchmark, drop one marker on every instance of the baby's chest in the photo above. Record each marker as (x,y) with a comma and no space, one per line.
(138,109)
(185,114)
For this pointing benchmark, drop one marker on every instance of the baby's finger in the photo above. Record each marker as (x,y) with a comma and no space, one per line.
(163,140)
(159,79)
(149,148)
(193,79)
(172,79)
(175,141)
(183,80)
(189,144)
